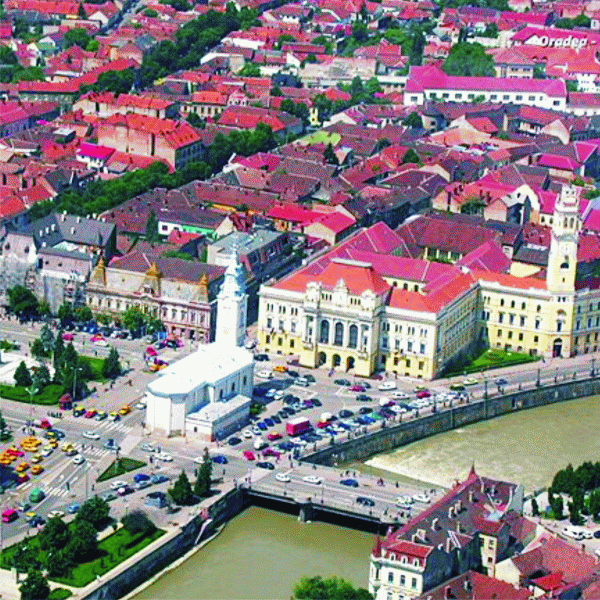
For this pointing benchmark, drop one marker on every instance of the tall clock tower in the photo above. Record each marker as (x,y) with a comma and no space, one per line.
(232,303)
(562,259)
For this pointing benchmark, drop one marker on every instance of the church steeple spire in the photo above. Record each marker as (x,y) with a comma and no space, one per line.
(232,304)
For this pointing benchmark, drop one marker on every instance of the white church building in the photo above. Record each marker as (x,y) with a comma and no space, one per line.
(207,394)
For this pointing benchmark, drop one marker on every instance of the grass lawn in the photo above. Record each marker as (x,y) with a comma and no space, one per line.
(59,594)
(494,358)
(48,396)
(113,550)
(96,366)
(120,467)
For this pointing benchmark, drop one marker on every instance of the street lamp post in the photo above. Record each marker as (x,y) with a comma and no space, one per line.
(537,383)
(592,372)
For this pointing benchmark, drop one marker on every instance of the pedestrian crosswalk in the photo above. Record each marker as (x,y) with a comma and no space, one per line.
(114,426)
(56,491)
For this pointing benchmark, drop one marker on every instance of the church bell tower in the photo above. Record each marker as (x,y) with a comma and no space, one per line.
(232,303)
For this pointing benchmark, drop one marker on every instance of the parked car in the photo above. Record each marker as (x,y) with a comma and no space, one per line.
(91,435)
(234,441)
(343,382)
(141,477)
(220,459)
(264,374)
(349,482)
(79,459)
(73,508)
(165,457)
(365,501)
(158,478)
(261,357)
(423,394)
(248,455)
(312,479)
(283,477)
(358,388)
(387,385)
(265,464)
(363,398)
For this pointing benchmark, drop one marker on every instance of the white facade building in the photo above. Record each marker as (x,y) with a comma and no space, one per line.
(207,394)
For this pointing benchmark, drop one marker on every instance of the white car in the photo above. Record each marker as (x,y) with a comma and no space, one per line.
(399,394)
(248,434)
(91,435)
(46,452)
(115,485)
(79,459)
(56,513)
(283,477)
(422,497)
(264,374)
(387,385)
(140,406)
(312,479)
(199,460)
(102,343)
(255,431)
(164,457)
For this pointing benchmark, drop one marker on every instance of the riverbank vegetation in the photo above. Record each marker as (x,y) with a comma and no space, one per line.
(328,588)
(582,488)
(71,554)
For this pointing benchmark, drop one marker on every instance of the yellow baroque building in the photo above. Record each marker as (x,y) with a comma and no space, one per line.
(362,308)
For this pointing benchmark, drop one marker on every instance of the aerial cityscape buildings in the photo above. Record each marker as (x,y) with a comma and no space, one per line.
(272,207)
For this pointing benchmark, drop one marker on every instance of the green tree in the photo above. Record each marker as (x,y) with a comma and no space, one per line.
(76,37)
(54,536)
(38,350)
(328,588)
(359,31)
(4,431)
(118,82)
(469,60)
(65,313)
(7,56)
(47,338)
(58,563)
(181,492)
(490,31)
(594,504)
(249,70)
(558,507)
(413,120)
(418,45)
(151,13)
(83,541)
(204,476)
(276,91)
(133,318)
(83,314)
(22,375)
(582,21)
(81,12)
(330,156)
(57,357)
(22,301)
(282,39)
(94,511)
(410,157)
(35,586)
(194,119)
(41,377)
(24,557)
(151,234)
(535,509)
(137,522)
(111,367)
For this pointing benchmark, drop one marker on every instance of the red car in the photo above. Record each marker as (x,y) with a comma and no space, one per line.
(249,455)
(423,394)
(271,452)
(323,424)
(274,435)
(23,477)
(90,414)
(68,337)
(15,452)
(358,388)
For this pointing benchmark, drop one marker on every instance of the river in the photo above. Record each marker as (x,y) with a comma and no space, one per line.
(261,553)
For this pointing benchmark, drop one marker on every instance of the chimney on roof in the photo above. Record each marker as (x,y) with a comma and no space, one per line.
(434,524)
(470,496)
(450,512)
(72,230)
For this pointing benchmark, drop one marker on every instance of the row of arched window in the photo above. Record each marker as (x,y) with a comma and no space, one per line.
(338,334)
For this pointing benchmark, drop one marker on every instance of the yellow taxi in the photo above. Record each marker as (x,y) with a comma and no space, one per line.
(50,435)
(66,446)
(22,466)
(125,410)
(280,369)
(71,451)
(53,443)
(37,469)
(36,458)
(6,460)
(30,514)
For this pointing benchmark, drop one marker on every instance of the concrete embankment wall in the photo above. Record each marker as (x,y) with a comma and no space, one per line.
(393,436)
(139,568)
